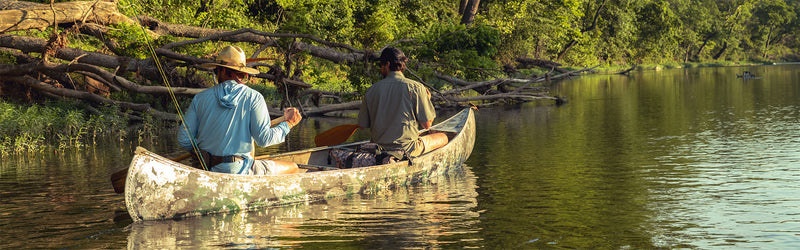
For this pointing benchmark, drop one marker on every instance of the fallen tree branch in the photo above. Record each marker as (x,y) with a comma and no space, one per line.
(625,72)
(113,70)
(41,16)
(333,107)
(63,92)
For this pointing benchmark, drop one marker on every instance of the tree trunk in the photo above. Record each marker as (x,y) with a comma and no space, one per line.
(700,50)
(462,4)
(766,43)
(203,7)
(565,49)
(721,51)
(43,15)
(470,9)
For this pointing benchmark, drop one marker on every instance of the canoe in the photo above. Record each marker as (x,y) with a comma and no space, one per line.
(158,188)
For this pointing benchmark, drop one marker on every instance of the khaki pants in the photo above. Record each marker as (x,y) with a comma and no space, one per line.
(265,167)
(427,143)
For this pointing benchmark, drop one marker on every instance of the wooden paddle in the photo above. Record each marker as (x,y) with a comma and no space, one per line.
(118,178)
(335,135)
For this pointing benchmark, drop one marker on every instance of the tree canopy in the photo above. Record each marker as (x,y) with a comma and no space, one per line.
(323,48)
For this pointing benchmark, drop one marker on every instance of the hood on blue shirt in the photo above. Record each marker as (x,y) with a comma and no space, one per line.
(228,93)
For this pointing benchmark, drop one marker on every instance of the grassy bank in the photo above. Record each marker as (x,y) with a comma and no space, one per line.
(63,124)
(32,127)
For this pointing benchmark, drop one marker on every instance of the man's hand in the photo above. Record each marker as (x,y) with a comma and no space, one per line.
(427,125)
(292,116)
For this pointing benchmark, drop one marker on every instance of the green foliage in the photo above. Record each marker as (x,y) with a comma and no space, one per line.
(647,31)
(362,23)
(362,76)
(7,58)
(658,33)
(459,48)
(530,28)
(131,40)
(771,20)
(221,14)
(332,77)
(329,20)
(267,90)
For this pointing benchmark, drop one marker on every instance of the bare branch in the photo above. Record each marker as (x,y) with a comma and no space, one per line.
(36,84)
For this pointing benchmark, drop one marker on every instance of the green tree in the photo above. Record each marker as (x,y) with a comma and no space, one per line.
(772,20)
(734,16)
(701,27)
(659,32)
(531,28)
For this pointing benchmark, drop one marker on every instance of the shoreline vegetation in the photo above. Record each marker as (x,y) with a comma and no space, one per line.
(73,71)
(65,124)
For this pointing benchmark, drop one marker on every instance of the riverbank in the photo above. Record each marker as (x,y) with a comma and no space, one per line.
(620,68)
(64,123)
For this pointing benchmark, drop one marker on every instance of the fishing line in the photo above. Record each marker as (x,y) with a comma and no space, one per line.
(169,87)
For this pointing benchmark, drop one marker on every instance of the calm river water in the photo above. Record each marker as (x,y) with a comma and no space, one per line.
(680,158)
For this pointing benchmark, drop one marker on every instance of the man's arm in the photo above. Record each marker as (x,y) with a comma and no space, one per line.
(260,127)
(363,115)
(425,111)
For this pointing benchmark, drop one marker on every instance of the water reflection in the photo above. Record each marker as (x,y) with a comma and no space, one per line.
(433,215)
(56,199)
(739,182)
(682,158)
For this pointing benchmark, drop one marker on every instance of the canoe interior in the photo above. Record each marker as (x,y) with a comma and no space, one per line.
(320,156)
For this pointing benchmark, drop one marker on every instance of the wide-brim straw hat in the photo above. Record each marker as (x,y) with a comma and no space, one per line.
(231,57)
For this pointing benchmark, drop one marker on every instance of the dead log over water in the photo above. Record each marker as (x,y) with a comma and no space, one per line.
(49,66)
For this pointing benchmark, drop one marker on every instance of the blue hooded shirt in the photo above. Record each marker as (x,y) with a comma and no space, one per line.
(225,119)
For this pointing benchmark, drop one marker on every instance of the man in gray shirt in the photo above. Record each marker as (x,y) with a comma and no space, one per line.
(394,107)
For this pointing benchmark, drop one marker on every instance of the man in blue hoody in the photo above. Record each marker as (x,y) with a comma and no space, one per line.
(226,119)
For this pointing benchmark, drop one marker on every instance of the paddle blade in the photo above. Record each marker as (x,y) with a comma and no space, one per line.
(118,180)
(335,135)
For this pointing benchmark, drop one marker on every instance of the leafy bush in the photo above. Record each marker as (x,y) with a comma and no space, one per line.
(460,48)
